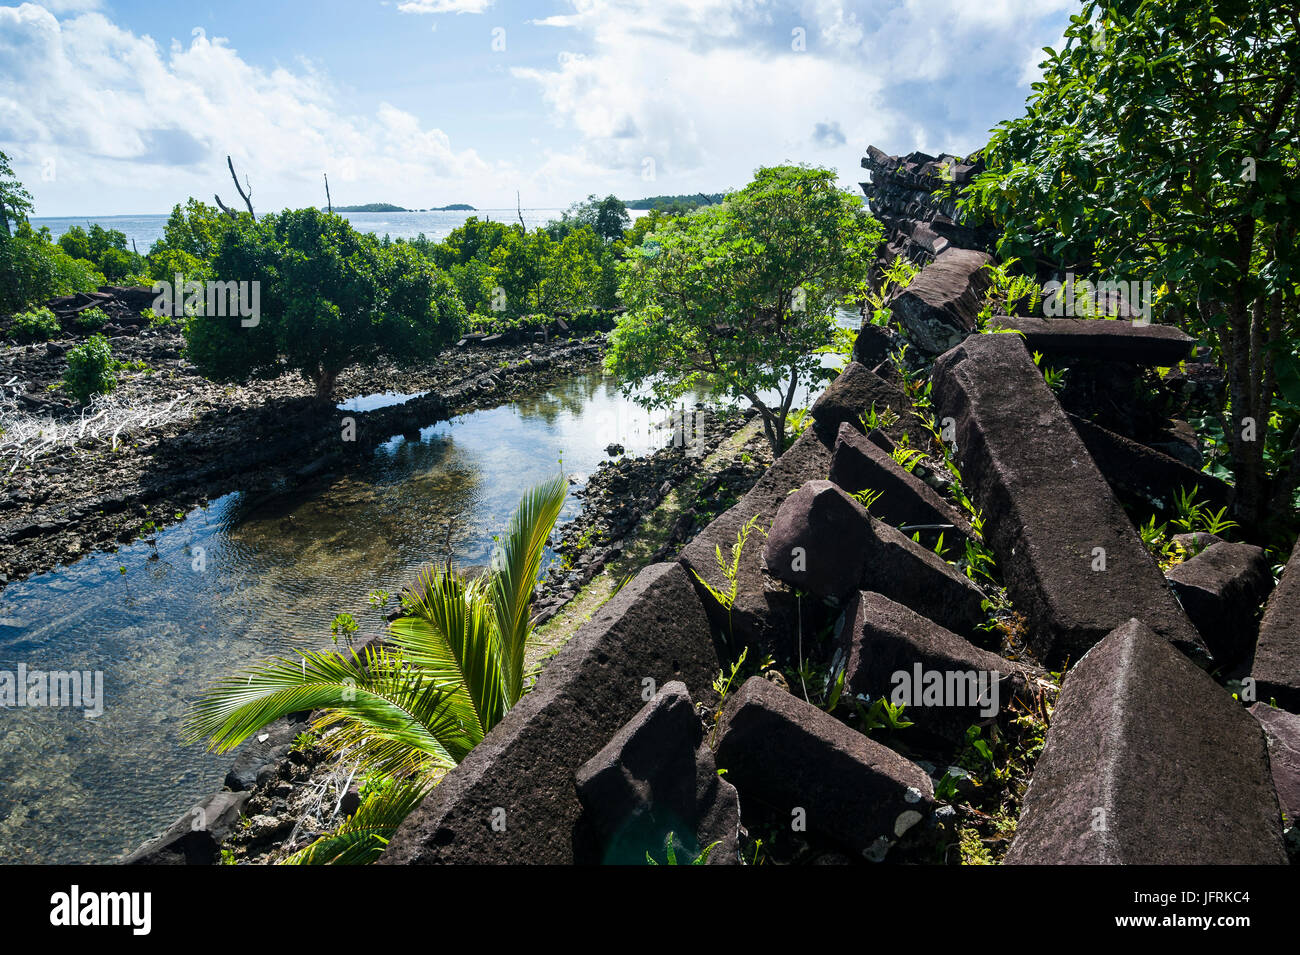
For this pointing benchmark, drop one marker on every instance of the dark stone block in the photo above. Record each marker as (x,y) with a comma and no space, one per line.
(819,541)
(512,799)
(654,779)
(787,753)
(938,309)
(874,344)
(1101,338)
(1049,515)
(1146,479)
(764,613)
(1148,762)
(257,753)
(884,644)
(822,542)
(852,395)
(196,837)
(859,464)
(1222,588)
(1282,733)
(1276,668)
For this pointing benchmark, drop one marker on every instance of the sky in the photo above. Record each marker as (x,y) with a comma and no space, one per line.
(114,107)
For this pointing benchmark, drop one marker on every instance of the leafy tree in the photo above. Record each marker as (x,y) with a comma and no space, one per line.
(1161,144)
(607,217)
(32,269)
(190,240)
(15,201)
(105,248)
(414,711)
(737,298)
(330,297)
(519,265)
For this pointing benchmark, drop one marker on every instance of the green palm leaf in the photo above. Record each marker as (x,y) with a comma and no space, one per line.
(449,636)
(362,837)
(517,563)
(395,702)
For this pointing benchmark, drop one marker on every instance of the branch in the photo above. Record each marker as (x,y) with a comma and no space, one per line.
(246,196)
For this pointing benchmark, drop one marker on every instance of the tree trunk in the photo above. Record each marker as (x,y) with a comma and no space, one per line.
(324,382)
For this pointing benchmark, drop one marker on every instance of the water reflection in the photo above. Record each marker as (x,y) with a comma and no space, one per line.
(244,578)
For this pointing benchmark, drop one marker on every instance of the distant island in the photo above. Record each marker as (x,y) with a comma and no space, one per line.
(389,207)
(677,203)
(372,207)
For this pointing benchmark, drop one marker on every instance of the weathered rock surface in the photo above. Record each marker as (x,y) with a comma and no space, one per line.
(1222,588)
(859,464)
(920,220)
(1050,517)
(787,753)
(853,395)
(874,344)
(512,799)
(654,779)
(946,682)
(1276,668)
(1282,733)
(195,838)
(1148,761)
(1100,338)
(823,542)
(764,613)
(258,753)
(1144,478)
(940,306)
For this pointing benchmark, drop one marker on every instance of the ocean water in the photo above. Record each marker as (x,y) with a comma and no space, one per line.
(145,230)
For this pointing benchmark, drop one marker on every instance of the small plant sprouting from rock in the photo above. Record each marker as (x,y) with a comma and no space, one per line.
(731,570)
(670,853)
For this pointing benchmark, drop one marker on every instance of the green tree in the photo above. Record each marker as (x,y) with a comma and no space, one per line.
(607,218)
(737,298)
(1161,144)
(330,297)
(519,265)
(412,712)
(15,201)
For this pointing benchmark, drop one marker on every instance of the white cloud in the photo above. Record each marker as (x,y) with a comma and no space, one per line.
(444,6)
(710,88)
(107,112)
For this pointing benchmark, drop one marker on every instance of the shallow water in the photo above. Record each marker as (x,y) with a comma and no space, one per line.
(161,625)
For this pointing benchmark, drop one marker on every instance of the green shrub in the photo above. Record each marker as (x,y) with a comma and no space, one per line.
(37,325)
(33,269)
(90,369)
(92,319)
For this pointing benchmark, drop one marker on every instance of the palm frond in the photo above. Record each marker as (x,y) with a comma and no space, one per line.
(449,636)
(516,566)
(394,701)
(361,838)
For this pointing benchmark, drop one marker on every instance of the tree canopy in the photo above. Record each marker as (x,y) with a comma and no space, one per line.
(737,298)
(330,297)
(1161,144)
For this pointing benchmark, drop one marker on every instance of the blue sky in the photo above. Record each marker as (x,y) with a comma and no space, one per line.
(128,106)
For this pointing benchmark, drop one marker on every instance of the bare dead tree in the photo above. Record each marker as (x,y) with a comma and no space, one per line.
(519,211)
(329,203)
(247,196)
